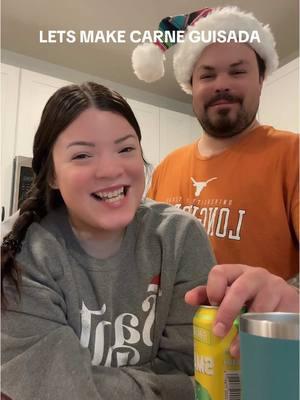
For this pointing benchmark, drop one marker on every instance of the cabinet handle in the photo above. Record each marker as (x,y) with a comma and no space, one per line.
(2,213)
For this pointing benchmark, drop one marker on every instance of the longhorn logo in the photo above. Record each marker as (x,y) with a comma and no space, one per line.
(201,185)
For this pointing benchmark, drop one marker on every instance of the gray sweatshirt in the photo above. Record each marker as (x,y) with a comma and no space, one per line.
(105,329)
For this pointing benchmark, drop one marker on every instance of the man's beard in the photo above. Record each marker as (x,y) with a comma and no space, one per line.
(223,126)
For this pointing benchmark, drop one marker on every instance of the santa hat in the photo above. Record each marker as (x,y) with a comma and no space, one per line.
(148,59)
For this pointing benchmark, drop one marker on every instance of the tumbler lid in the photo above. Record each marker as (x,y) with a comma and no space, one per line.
(277,325)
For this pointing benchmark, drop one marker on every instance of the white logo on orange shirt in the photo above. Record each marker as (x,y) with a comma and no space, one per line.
(199,186)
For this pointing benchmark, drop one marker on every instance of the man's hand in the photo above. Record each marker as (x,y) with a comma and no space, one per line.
(231,286)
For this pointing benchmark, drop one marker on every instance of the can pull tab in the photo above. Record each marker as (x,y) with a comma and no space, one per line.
(236,322)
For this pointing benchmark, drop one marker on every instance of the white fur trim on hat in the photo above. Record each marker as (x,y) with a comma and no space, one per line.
(223,19)
(148,62)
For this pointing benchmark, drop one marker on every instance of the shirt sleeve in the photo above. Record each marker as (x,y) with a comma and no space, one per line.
(42,356)
(292,185)
(151,194)
(195,260)
(6,226)
(295,217)
(295,210)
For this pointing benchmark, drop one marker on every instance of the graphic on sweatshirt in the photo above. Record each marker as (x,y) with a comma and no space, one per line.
(154,285)
(199,186)
(126,330)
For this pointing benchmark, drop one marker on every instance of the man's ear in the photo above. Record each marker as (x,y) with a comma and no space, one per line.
(261,82)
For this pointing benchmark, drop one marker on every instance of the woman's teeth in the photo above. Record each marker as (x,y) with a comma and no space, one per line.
(110,197)
(113,199)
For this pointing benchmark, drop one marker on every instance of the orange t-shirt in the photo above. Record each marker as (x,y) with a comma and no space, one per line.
(247,197)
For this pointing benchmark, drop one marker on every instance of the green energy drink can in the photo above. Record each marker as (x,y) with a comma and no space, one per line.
(217,373)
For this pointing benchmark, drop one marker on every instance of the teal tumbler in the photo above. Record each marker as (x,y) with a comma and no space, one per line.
(269,348)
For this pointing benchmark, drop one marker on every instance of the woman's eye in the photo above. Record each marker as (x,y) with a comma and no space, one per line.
(127,149)
(81,156)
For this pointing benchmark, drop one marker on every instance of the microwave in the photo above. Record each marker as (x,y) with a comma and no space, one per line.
(22,180)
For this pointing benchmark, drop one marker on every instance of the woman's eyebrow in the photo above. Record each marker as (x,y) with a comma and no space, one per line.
(122,139)
(81,143)
(90,144)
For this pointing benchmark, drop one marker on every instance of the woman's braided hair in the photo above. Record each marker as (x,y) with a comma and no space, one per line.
(63,107)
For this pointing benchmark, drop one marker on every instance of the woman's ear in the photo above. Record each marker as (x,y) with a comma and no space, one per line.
(52,182)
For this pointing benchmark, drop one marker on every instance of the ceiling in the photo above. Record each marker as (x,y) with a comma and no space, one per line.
(22,21)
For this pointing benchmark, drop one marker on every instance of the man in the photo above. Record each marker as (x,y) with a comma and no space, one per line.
(241,178)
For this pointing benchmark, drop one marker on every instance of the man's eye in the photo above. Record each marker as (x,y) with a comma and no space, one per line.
(238,72)
(207,76)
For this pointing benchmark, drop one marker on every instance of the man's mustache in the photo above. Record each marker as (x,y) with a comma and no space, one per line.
(223,96)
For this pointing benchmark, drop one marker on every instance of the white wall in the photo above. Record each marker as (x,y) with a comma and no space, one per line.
(279,105)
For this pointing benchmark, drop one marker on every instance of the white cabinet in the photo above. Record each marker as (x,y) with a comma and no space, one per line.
(35,90)
(148,119)
(9,108)
(163,130)
(279,105)
(176,130)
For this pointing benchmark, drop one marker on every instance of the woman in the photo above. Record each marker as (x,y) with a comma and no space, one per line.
(93,276)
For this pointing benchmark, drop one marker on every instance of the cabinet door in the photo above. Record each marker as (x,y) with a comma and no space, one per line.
(35,90)
(148,119)
(175,131)
(10,78)
(279,104)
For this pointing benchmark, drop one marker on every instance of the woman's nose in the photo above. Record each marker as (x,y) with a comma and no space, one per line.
(108,167)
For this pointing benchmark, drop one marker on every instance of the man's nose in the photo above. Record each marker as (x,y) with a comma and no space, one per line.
(223,84)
